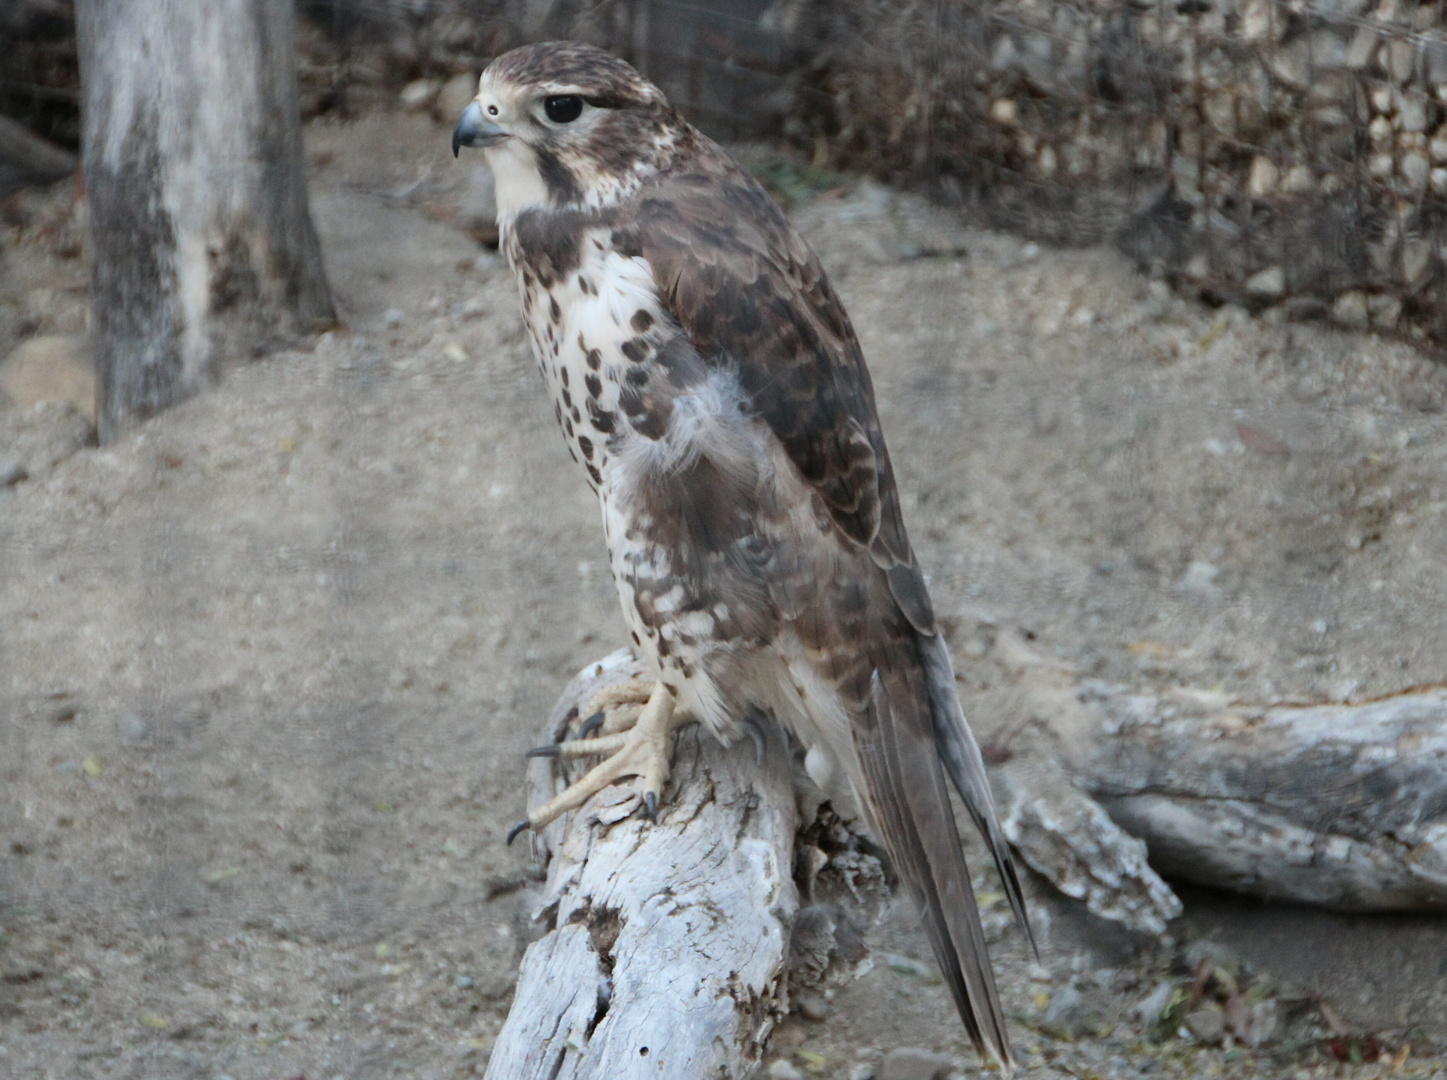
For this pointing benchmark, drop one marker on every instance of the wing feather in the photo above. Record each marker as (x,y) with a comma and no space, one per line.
(751,294)
(907,784)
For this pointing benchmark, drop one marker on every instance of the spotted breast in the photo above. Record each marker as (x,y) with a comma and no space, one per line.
(642,414)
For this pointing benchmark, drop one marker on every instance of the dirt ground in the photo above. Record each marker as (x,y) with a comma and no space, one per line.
(268,664)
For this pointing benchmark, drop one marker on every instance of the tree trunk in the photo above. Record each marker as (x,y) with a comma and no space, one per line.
(670,943)
(203,252)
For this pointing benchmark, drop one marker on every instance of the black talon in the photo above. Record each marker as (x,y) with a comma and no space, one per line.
(590,725)
(512,834)
(543,751)
(650,806)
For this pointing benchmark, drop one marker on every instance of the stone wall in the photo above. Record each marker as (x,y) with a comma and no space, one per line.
(1256,151)
(1287,153)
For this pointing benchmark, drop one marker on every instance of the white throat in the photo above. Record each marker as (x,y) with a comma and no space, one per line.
(519,183)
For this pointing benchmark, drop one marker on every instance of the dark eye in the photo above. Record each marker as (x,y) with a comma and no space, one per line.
(564,108)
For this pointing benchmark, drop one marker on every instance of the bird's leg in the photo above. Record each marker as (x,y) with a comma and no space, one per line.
(643,751)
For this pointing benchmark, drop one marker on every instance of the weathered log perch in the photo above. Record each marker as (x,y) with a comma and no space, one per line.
(1340,806)
(673,944)
(669,949)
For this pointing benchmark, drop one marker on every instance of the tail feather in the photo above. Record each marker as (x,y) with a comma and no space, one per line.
(906,782)
(961,756)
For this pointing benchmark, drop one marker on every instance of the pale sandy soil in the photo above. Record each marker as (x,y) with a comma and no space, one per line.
(268,664)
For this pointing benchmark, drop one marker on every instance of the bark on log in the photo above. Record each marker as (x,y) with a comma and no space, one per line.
(670,945)
(1339,806)
(202,247)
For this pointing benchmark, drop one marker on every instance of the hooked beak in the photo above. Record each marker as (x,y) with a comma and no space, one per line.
(473,130)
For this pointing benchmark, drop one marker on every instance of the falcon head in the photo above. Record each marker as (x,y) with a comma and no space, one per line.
(567,125)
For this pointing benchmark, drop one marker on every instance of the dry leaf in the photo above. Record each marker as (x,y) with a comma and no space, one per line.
(1253,438)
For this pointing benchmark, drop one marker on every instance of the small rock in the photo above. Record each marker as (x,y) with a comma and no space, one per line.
(56,368)
(1384,311)
(1148,1011)
(417,95)
(1207,1024)
(1364,44)
(1416,170)
(1269,282)
(1416,261)
(912,1063)
(1200,577)
(1264,1022)
(1066,1015)
(813,1007)
(1412,112)
(1350,310)
(1003,111)
(1401,59)
(456,94)
(862,1071)
(1298,178)
(1260,22)
(12,471)
(1220,110)
(779,1069)
(1263,178)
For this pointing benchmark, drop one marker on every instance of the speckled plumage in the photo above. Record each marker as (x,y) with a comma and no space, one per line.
(708,381)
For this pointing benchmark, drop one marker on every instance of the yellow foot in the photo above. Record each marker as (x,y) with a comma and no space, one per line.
(615,708)
(642,751)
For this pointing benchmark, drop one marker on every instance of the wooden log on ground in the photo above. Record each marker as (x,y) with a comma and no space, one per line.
(670,943)
(203,252)
(26,158)
(1340,806)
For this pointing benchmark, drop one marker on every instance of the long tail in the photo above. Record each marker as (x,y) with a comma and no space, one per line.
(914,730)
(961,756)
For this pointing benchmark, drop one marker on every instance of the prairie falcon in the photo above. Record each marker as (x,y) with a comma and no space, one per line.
(710,384)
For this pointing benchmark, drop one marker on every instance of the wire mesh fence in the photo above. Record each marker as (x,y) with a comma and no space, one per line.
(1261,152)
(1286,153)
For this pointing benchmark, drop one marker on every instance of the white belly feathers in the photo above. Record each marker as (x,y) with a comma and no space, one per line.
(578,328)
